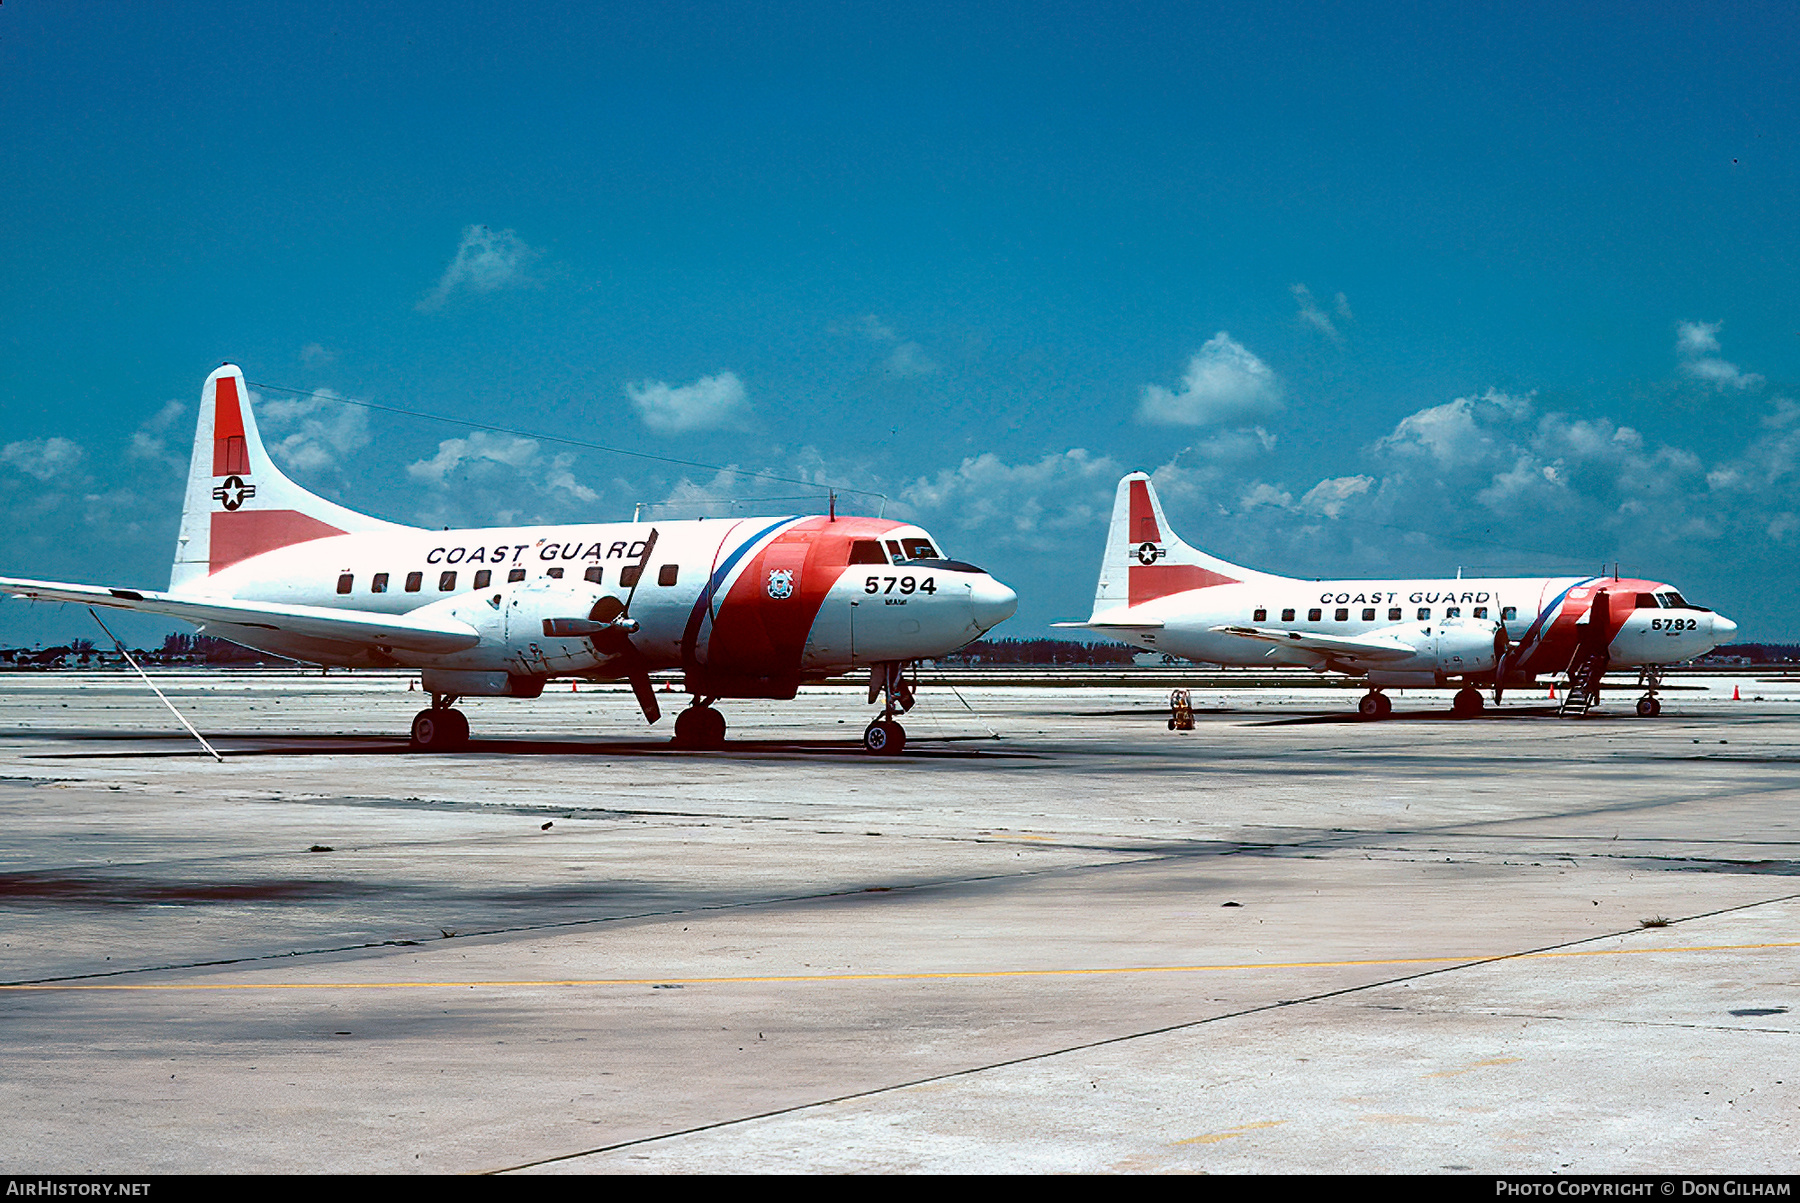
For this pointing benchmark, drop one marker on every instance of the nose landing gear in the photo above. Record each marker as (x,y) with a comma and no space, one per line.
(441,728)
(1649,706)
(887,680)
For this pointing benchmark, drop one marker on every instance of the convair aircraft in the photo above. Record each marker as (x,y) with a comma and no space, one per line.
(745,608)
(1158,593)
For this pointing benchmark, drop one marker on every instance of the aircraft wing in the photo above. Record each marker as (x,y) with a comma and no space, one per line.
(438,633)
(1336,647)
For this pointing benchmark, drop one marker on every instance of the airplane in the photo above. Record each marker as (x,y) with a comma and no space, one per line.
(743,607)
(1160,594)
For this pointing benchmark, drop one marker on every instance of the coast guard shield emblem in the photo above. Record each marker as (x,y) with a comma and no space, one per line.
(781,583)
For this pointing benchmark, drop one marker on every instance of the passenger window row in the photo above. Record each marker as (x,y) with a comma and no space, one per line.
(1342,614)
(666,575)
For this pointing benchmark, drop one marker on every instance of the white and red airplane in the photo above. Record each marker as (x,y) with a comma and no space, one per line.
(1160,594)
(745,608)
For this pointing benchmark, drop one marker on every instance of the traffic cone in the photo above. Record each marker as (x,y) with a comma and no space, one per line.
(1734,694)
(1553,691)
(574,687)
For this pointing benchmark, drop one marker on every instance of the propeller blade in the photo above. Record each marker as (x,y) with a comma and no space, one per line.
(646,697)
(637,577)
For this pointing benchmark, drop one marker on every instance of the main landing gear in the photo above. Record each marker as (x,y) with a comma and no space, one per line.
(1374,705)
(441,728)
(700,726)
(1467,702)
(884,736)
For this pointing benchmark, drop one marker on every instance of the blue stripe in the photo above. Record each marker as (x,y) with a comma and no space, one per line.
(1525,644)
(691,636)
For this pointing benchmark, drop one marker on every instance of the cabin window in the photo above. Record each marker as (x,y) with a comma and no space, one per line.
(1314,615)
(1341,614)
(866,551)
(628,576)
(554,574)
(1258,615)
(379,583)
(484,578)
(1453,612)
(1424,613)
(446,582)
(593,574)
(1394,614)
(1510,613)
(667,574)
(1369,614)
(345,581)
(1287,616)
(413,581)
(1481,611)
(1647,601)
(517,574)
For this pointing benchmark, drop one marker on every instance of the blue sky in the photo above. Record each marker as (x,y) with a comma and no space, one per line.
(1372,289)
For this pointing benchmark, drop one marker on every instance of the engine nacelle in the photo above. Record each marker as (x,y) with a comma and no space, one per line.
(1451,647)
(515,625)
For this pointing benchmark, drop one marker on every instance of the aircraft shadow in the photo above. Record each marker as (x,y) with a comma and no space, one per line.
(1435,716)
(244,746)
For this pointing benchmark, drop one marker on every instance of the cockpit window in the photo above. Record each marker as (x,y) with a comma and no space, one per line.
(919,549)
(866,551)
(1647,601)
(1674,600)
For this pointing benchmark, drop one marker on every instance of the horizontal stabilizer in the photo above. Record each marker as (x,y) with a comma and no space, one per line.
(438,633)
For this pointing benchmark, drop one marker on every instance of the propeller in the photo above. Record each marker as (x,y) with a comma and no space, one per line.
(1503,648)
(609,626)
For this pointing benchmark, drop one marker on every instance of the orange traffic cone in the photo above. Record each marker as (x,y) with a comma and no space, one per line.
(574,687)
(1553,691)
(1734,694)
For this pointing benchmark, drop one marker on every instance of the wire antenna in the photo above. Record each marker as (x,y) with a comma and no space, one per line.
(210,751)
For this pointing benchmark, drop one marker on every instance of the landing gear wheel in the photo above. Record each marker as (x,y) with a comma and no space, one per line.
(440,730)
(1648,707)
(1467,703)
(1374,706)
(700,727)
(884,737)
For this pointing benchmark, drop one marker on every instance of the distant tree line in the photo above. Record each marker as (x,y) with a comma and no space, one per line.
(175,649)
(1754,653)
(1040,651)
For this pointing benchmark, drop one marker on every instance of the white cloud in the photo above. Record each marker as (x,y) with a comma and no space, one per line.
(1312,315)
(43,459)
(148,443)
(480,448)
(312,433)
(485,261)
(1697,345)
(905,357)
(1039,505)
(1329,498)
(1459,433)
(708,403)
(1224,384)
(313,354)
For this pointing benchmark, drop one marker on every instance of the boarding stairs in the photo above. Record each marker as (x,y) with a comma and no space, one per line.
(1582,692)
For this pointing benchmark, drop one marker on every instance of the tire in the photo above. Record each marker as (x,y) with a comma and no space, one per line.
(687,728)
(710,728)
(1648,707)
(884,737)
(1386,703)
(1466,704)
(1370,706)
(439,730)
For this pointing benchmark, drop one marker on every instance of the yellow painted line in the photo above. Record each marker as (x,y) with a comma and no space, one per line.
(1230,1133)
(943,975)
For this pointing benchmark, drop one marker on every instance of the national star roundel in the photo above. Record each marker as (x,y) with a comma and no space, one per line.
(781,583)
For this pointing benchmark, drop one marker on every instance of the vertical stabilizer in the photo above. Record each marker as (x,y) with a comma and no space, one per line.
(238,503)
(1146,560)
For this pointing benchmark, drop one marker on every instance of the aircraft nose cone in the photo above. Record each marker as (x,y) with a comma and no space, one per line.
(1723,628)
(992,602)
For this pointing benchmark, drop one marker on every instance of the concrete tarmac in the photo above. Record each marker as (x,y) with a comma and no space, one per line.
(1282,942)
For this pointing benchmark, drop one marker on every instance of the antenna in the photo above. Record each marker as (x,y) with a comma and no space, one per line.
(833,517)
(638,512)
